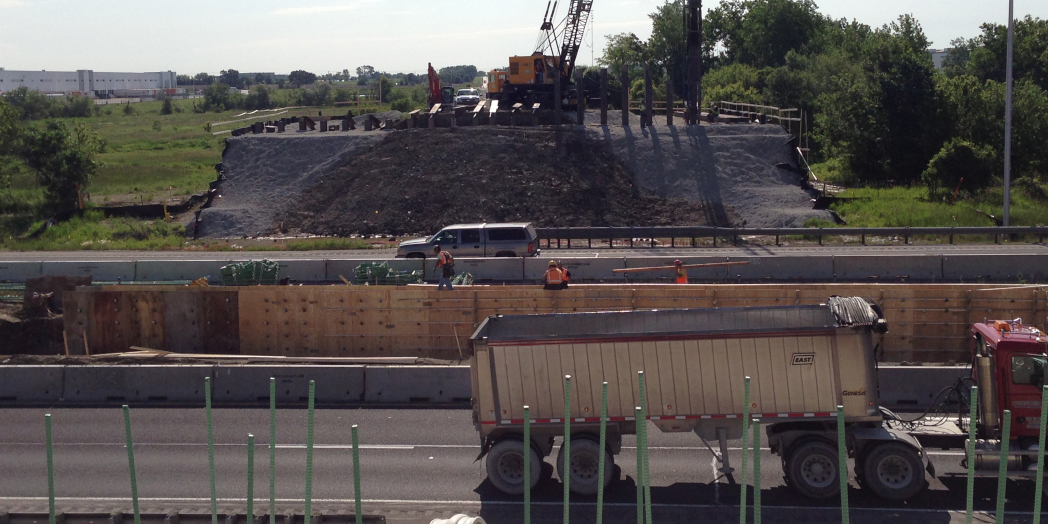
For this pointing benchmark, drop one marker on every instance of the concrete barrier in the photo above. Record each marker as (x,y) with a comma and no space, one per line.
(348,268)
(783,268)
(582,269)
(160,270)
(31,383)
(19,271)
(915,387)
(182,383)
(303,270)
(100,271)
(911,268)
(417,384)
(250,384)
(491,269)
(1000,268)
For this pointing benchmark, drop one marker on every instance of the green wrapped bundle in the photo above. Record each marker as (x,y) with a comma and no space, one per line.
(251,273)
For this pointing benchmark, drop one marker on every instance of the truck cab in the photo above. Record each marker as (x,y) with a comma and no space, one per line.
(1009,363)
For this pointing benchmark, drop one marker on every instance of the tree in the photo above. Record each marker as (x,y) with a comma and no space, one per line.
(666,48)
(301,78)
(959,164)
(184,80)
(230,77)
(168,107)
(203,79)
(623,49)
(988,52)
(10,142)
(65,161)
(365,72)
(761,32)
(216,98)
(258,98)
(462,74)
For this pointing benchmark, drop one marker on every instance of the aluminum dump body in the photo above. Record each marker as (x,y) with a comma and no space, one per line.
(803,361)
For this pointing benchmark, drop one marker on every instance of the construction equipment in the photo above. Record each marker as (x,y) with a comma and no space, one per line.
(794,364)
(532,79)
(443,95)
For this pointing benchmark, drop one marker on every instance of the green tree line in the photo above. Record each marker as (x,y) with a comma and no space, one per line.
(874,101)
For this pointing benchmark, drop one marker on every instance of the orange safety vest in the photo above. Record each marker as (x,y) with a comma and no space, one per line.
(553,276)
(682,276)
(565,274)
(445,258)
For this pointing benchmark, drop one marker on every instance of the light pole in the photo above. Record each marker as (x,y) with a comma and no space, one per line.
(1008,119)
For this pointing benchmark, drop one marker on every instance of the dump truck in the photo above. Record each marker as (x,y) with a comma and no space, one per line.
(803,362)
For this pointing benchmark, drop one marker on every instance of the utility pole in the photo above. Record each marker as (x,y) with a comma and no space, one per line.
(1008,119)
(693,16)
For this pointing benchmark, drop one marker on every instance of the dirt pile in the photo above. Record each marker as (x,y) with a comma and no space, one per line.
(421,180)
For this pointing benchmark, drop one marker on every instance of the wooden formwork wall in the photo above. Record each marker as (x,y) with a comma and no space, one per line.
(928,323)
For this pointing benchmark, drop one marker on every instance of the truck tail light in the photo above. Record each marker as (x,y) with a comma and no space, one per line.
(531,247)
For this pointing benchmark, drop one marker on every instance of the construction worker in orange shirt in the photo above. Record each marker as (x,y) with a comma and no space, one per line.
(682,274)
(565,275)
(554,278)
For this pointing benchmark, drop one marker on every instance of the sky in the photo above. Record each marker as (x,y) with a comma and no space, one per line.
(321,36)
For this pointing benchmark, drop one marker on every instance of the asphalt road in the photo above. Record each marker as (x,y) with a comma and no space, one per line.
(742,251)
(416,465)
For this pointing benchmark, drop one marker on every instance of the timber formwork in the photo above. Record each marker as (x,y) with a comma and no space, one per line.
(927,323)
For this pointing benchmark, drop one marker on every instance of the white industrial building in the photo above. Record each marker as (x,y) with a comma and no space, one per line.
(87,82)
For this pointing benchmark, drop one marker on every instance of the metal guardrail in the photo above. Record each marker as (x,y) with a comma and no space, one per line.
(553,235)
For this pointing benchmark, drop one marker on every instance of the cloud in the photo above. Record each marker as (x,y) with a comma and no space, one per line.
(11,3)
(309,10)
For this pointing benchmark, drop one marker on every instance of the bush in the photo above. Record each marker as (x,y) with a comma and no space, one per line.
(959,164)
(168,107)
(128,110)
(316,95)
(403,105)
(78,107)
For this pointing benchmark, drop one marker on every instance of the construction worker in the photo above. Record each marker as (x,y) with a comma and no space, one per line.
(682,274)
(446,265)
(553,277)
(565,275)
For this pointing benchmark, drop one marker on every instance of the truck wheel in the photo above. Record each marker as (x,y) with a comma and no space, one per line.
(812,469)
(585,455)
(894,471)
(505,466)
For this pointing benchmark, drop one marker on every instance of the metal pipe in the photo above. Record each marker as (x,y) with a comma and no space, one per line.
(1002,470)
(210,450)
(842,462)
(527,468)
(972,423)
(1008,117)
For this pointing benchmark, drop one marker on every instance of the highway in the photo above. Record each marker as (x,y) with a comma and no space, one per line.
(388,254)
(416,465)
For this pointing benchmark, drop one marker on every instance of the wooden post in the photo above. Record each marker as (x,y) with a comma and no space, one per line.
(648,98)
(580,100)
(625,79)
(604,96)
(669,101)
(556,97)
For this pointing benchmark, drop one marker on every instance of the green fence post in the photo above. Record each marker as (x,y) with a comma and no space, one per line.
(842,462)
(131,464)
(272,450)
(210,450)
(644,446)
(1002,471)
(250,478)
(308,510)
(567,446)
(745,447)
(756,471)
(50,471)
(639,418)
(527,465)
(972,417)
(1040,458)
(603,443)
(356,476)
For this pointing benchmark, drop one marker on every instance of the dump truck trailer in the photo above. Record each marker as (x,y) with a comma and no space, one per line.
(803,361)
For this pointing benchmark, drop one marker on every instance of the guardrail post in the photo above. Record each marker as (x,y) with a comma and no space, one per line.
(307,513)
(1002,470)
(972,417)
(842,462)
(210,450)
(527,468)
(566,447)
(735,237)
(1040,458)
(51,471)
(906,237)
(131,464)
(272,450)
(601,445)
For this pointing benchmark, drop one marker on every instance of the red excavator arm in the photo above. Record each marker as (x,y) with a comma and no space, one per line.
(434,87)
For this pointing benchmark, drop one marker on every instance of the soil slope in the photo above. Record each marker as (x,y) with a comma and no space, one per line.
(421,180)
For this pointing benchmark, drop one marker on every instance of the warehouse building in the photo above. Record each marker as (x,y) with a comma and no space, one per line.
(87,82)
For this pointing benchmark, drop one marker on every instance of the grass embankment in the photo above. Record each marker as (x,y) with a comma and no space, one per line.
(149,157)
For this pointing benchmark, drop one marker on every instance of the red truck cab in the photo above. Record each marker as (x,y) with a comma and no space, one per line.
(1008,364)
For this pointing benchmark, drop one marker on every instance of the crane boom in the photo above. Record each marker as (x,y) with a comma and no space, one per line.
(574,32)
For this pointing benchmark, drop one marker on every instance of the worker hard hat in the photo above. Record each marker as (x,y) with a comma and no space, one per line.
(552,264)
(678,263)
(436,247)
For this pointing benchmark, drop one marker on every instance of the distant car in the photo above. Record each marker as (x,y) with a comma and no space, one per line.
(476,240)
(467,97)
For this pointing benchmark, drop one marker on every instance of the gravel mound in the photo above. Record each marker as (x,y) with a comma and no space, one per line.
(420,180)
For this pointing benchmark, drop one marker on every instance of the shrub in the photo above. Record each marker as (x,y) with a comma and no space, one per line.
(168,107)
(128,110)
(959,164)
(403,105)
